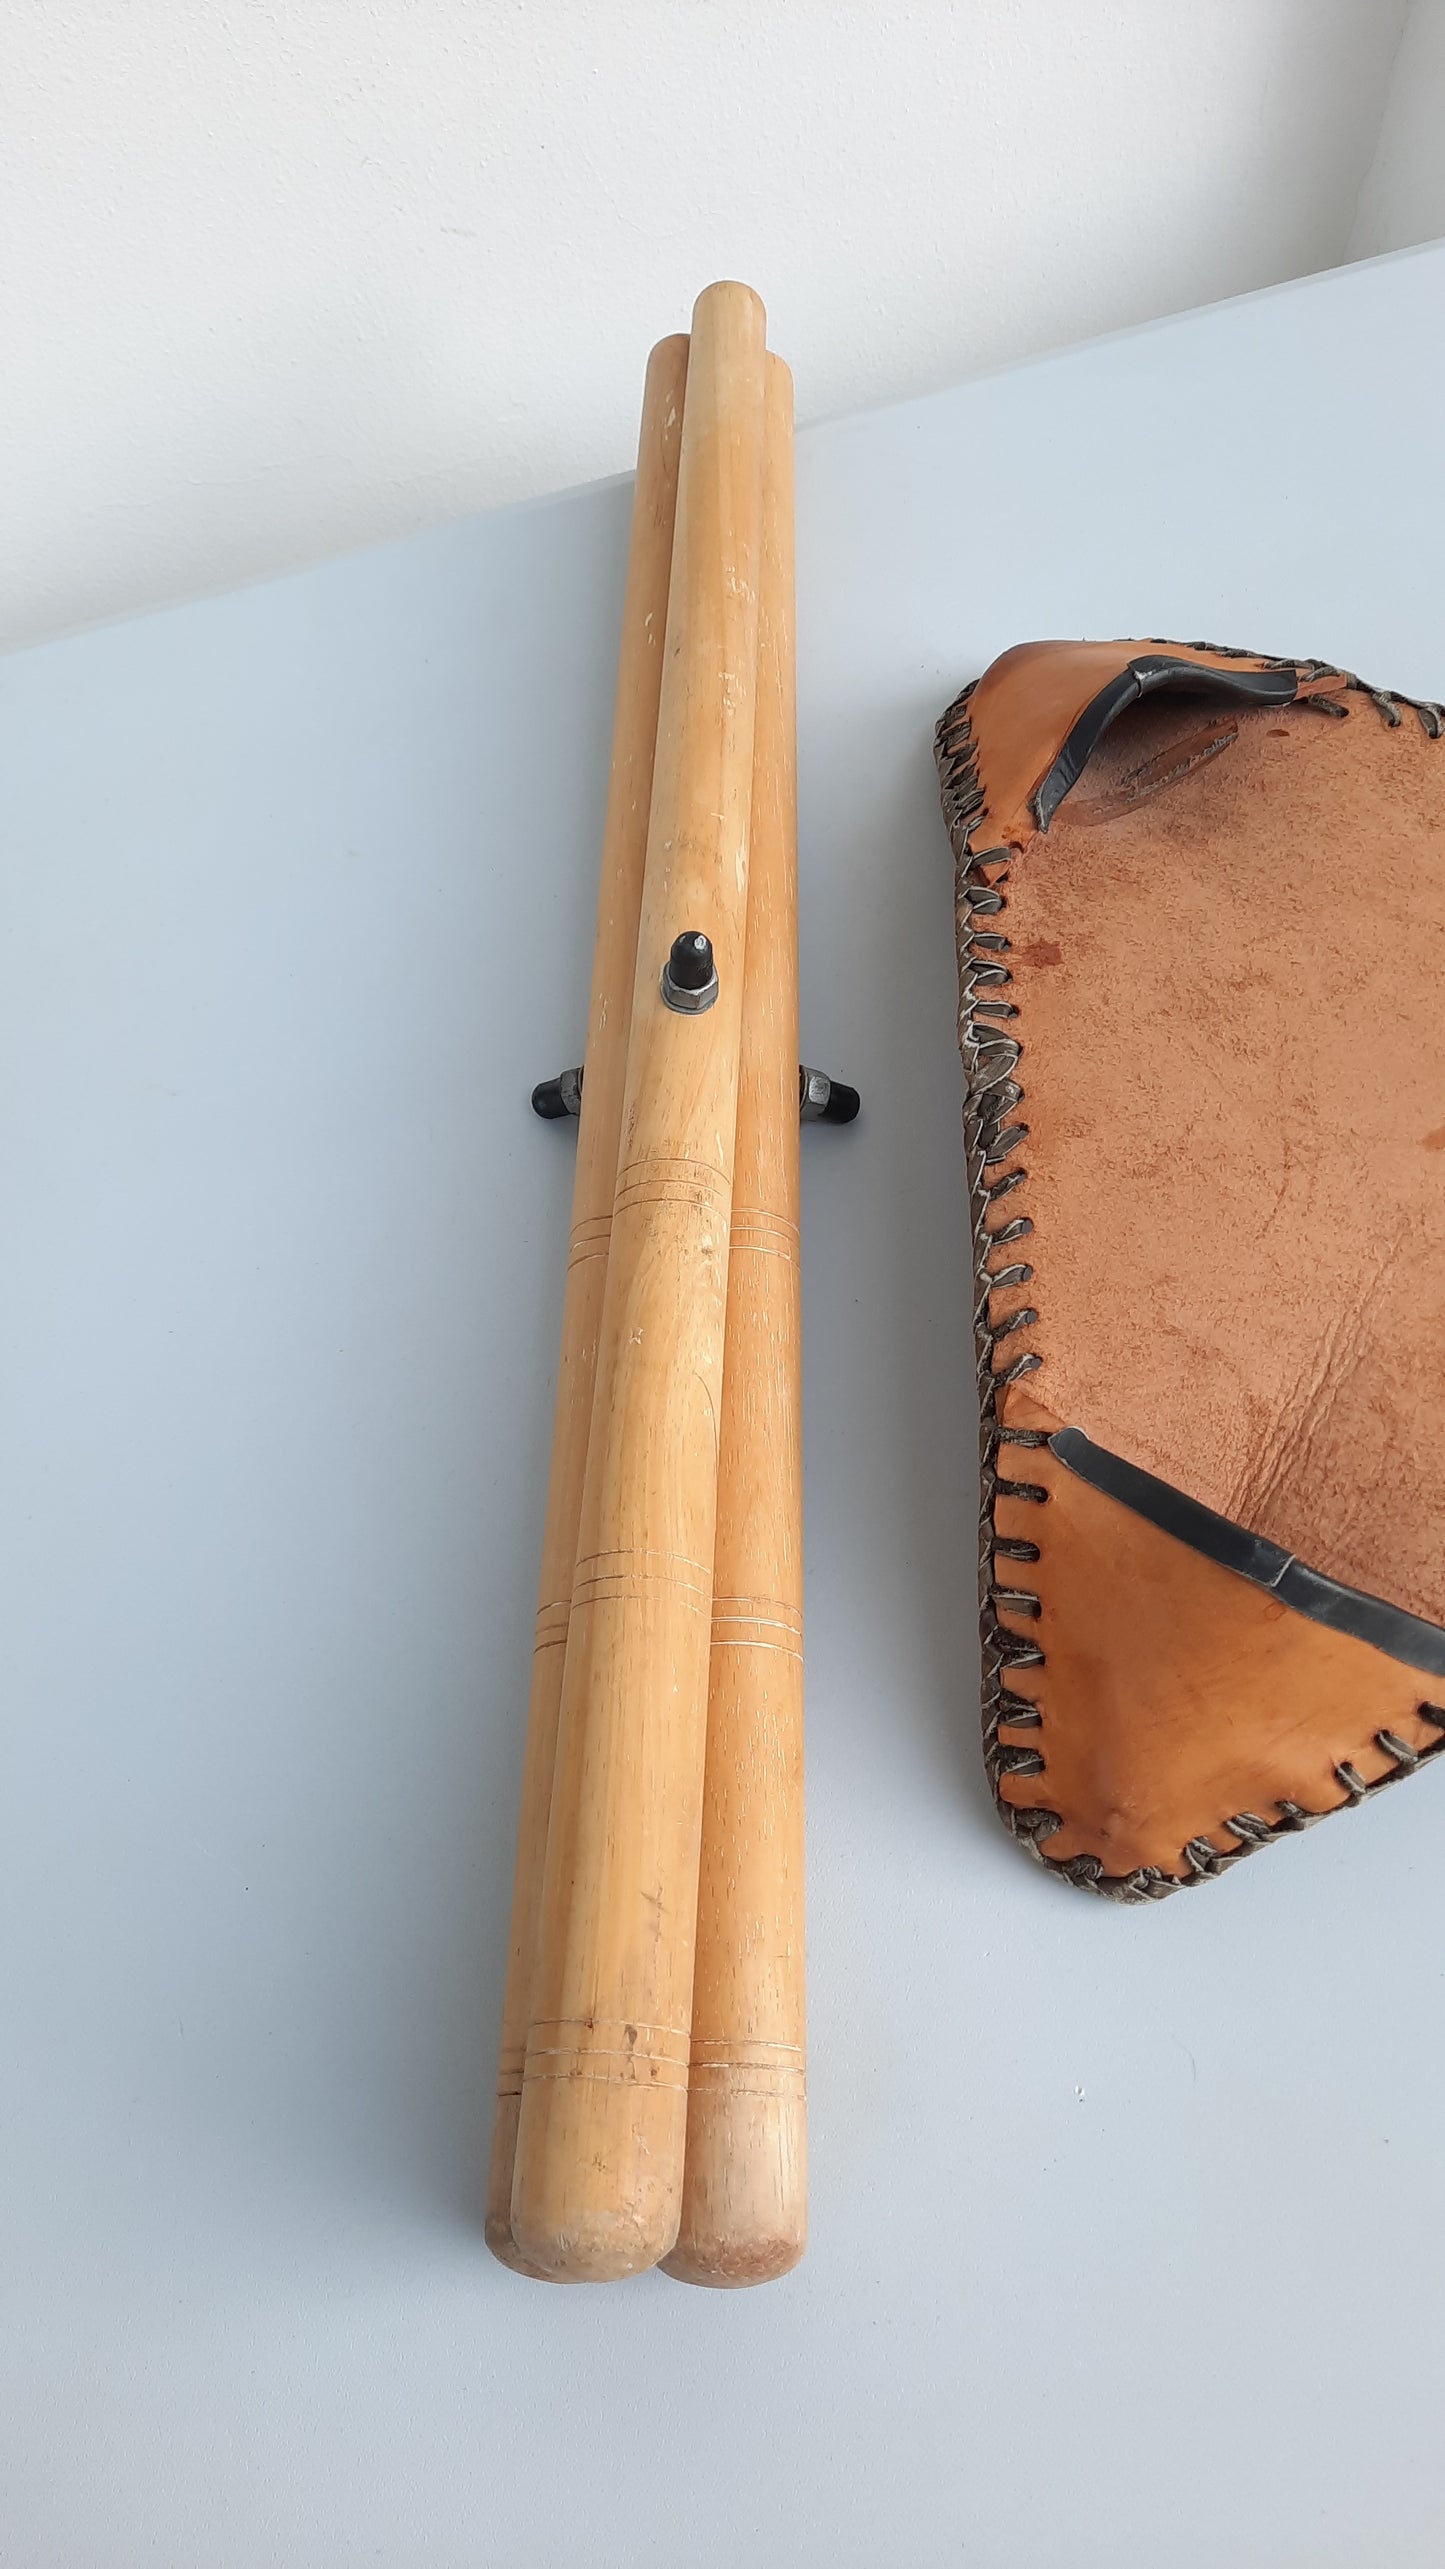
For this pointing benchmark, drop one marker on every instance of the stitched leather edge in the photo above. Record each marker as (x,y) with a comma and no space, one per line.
(992,1094)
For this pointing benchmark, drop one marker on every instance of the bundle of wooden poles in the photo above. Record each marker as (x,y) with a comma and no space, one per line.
(650,2098)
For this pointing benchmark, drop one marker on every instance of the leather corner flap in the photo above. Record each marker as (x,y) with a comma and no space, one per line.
(1145,676)
(1016,742)
(1412,1639)
(1160,1713)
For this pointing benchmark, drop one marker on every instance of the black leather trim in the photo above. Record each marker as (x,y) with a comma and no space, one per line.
(1406,1637)
(1153,669)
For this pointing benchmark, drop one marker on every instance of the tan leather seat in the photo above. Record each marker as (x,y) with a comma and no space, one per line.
(1202,950)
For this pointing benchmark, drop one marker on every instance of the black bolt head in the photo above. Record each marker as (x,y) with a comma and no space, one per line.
(689,966)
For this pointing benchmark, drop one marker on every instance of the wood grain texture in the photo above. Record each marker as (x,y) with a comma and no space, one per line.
(609,1020)
(744,2212)
(597,2187)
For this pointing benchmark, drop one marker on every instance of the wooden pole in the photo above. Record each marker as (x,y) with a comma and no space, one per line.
(744,2213)
(609,1019)
(597,2188)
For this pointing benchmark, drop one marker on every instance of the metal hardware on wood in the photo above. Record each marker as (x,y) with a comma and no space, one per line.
(821,1100)
(689,976)
(554,1098)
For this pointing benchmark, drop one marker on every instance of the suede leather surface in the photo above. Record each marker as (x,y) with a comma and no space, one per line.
(1225,963)
(1229,967)
(1173,1694)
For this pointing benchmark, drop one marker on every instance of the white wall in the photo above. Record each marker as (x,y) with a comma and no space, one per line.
(1403,198)
(279,281)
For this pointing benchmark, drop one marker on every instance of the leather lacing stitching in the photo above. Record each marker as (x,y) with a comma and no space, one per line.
(992,1133)
(1390,706)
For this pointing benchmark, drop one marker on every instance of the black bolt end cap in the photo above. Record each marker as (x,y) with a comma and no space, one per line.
(843,1104)
(548,1101)
(690,964)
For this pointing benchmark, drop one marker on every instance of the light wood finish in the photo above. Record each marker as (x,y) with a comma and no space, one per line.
(609,1020)
(597,2189)
(597,2182)
(744,2213)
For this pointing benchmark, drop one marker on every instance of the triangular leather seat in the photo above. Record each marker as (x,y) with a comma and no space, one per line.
(1201,926)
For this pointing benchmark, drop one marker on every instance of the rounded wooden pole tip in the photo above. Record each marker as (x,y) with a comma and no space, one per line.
(600,2248)
(497,2223)
(745,2195)
(504,2248)
(597,2188)
(727,290)
(728,2265)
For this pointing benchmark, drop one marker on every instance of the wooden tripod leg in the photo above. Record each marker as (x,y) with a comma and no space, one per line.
(609,1018)
(744,2213)
(597,2189)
